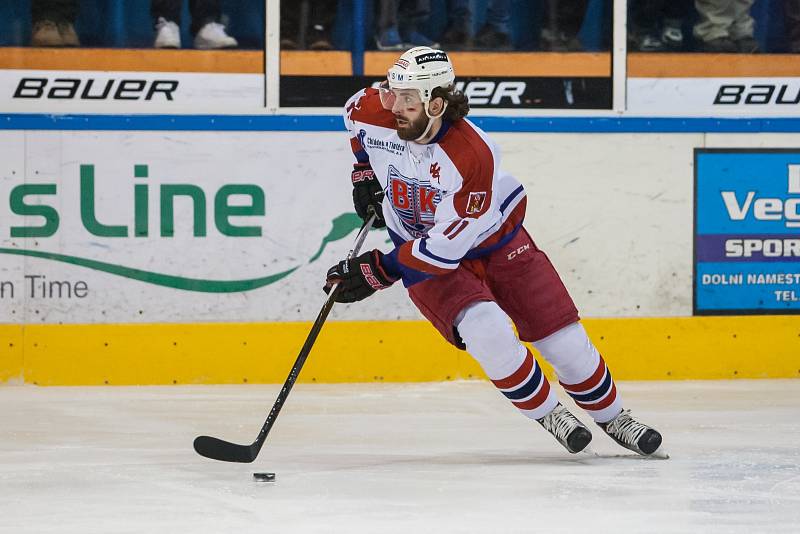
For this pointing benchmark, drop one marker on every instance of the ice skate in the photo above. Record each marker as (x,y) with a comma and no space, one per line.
(567,429)
(632,434)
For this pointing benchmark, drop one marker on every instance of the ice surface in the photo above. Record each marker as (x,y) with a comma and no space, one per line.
(377,458)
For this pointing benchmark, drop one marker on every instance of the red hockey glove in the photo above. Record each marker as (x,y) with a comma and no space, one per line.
(358,277)
(367,191)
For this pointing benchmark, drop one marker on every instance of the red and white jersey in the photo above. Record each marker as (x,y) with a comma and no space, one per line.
(444,201)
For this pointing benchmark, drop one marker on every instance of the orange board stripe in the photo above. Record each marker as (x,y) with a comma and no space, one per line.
(135,60)
(508,63)
(149,60)
(339,63)
(712,65)
(311,63)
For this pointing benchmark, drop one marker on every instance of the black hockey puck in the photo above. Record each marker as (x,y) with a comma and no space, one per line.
(264,477)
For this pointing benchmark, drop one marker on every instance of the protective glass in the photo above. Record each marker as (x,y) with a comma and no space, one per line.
(405,98)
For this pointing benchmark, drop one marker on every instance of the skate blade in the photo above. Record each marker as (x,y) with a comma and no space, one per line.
(659,454)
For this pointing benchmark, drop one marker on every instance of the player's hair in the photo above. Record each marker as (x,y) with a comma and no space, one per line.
(457,102)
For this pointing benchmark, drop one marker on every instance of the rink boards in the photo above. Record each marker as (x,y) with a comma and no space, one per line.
(384,351)
(147,255)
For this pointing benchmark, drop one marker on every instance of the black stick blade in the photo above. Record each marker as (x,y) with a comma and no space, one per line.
(225,451)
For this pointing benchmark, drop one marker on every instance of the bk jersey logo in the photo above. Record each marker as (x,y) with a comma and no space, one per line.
(414,201)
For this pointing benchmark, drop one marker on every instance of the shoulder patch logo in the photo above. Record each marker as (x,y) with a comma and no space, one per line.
(475,202)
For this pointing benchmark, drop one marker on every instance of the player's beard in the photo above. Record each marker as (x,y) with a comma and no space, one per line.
(412,129)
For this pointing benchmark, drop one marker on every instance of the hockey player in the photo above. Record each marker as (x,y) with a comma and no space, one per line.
(455,218)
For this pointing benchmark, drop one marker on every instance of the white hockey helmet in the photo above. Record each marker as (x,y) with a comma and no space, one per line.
(422,68)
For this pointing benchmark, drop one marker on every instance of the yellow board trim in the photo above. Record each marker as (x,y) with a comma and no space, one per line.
(394,351)
(11,353)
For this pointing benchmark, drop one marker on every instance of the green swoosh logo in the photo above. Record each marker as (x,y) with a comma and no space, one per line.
(343,225)
(166,280)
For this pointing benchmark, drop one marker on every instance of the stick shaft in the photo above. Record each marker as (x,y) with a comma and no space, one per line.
(307,346)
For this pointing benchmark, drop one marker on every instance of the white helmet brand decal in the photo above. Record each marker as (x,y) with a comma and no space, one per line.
(431,56)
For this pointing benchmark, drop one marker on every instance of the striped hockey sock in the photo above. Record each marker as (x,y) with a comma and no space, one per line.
(487,332)
(597,394)
(528,389)
(582,371)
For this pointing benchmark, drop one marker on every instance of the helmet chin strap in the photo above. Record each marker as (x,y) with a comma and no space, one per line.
(430,120)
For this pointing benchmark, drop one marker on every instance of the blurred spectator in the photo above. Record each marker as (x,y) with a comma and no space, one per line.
(495,34)
(656,25)
(307,24)
(53,23)
(562,22)
(398,24)
(792,11)
(725,26)
(208,32)
(458,34)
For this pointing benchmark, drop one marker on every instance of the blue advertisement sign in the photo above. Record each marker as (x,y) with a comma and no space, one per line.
(747,231)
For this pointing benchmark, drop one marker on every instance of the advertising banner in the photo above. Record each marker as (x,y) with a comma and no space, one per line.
(747,231)
(126,227)
(129,92)
(492,92)
(755,97)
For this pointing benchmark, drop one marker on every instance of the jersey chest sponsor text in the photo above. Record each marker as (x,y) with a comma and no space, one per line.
(377,143)
(414,201)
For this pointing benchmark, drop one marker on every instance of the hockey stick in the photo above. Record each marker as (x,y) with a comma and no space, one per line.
(218,449)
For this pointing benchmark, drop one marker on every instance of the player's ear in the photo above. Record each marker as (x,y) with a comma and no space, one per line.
(436,105)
